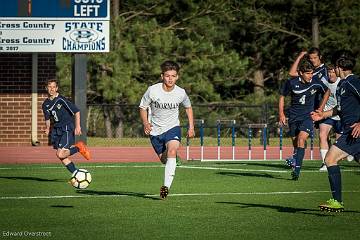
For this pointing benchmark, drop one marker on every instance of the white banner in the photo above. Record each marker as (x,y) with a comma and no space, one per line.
(54,36)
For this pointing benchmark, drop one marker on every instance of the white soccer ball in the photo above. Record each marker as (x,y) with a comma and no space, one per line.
(81,178)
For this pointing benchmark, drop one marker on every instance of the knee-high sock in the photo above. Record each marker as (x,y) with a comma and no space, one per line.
(71,167)
(335,182)
(299,159)
(169,171)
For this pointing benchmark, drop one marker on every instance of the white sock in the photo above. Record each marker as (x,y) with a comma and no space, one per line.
(323,154)
(169,171)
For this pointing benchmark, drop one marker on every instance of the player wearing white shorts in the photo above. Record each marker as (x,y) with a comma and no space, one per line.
(161,102)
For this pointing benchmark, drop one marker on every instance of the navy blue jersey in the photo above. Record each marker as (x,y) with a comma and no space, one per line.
(302,97)
(320,73)
(60,109)
(348,97)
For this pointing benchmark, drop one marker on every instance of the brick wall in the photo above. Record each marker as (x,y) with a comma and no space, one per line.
(15,97)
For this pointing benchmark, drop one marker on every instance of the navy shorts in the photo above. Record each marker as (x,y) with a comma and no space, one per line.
(348,144)
(297,126)
(159,142)
(63,137)
(336,124)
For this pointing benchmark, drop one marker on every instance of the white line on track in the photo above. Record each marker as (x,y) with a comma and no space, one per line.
(153,195)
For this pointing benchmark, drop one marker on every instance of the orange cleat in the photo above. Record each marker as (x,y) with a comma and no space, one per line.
(83,150)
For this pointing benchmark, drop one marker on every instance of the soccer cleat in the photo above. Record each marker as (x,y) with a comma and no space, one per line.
(290,162)
(164,191)
(332,205)
(294,176)
(83,150)
(178,161)
(323,168)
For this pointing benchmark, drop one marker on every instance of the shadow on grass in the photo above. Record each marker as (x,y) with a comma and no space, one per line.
(285,209)
(249,174)
(61,206)
(33,179)
(114,193)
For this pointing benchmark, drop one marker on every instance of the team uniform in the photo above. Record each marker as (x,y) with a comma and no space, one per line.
(164,108)
(61,111)
(348,98)
(320,74)
(333,121)
(302,103)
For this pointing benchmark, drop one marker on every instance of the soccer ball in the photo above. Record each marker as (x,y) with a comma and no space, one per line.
(81,178)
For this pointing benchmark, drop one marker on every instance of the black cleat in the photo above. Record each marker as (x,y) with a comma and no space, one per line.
(294,176)
(164,191)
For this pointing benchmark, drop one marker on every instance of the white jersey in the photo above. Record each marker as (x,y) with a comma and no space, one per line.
(164,107)
(332,102)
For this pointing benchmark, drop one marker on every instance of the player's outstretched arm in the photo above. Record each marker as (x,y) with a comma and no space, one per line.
(190,115)
(324,100)
(318,115)
(47,127)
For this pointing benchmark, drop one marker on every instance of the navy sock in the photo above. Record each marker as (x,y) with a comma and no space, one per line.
(335,182)
(299,159)
(71,167)
(73,150)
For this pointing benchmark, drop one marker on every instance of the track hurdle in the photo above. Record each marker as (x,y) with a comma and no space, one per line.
(200,123)
(233,135)
(252,126)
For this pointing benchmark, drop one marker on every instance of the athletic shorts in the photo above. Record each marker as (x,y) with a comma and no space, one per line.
(336,124)
(348,144)
(63,137)
(159,142)
(297,126)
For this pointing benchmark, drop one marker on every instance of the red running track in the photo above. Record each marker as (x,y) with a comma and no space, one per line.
(12,155)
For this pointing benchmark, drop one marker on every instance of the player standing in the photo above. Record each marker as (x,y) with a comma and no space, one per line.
(302,90)
(61,111)
(348,108)
(320,73)
(164,100)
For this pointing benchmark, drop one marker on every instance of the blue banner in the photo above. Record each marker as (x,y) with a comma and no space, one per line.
(54,9)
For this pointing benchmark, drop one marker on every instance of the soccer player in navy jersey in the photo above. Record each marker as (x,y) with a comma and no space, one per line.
(320,72)
(62,112)
(302,90)
(164,100)
(348,108)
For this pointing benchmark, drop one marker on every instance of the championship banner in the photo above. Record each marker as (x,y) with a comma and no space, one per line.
(77,26)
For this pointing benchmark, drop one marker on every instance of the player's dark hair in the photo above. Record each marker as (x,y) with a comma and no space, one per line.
(316,50)
(52,80)
(169,65)
(305,65)
(330,66)
(345,59)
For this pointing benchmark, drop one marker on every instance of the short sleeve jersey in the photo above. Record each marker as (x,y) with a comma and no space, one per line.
(164,107)
(60,109)
(331,102)
(348,98)
(302,97)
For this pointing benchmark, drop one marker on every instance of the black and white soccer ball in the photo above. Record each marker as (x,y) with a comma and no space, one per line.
(81,178)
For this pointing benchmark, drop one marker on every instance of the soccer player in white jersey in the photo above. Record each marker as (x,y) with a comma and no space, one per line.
(326,124)
(163,100)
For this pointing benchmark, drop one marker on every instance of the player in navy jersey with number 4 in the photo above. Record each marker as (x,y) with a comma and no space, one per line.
(62,112)
(302,90)
(163,100)
(348,109)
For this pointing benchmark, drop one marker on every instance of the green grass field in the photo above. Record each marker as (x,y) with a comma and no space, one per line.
(242,200)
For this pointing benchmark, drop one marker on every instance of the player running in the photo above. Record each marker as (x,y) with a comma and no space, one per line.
(348,108)
(163,100)
(61,111)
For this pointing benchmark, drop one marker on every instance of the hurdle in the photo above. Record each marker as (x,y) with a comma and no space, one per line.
(200,123)
(233,134)
(252,126)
